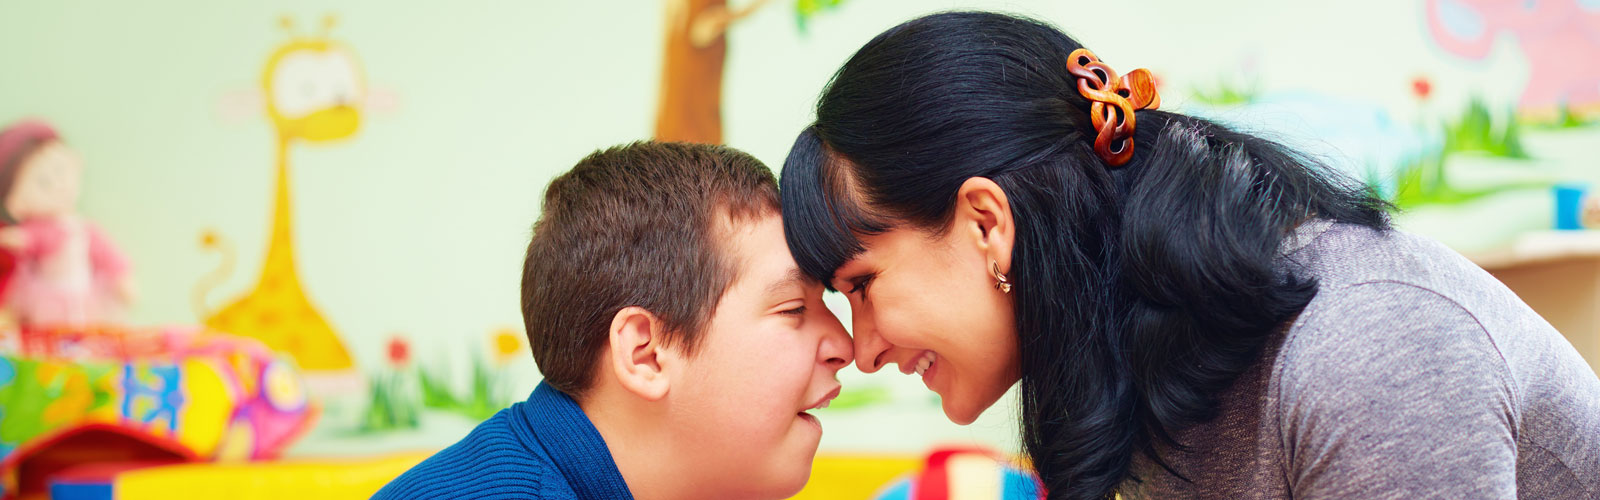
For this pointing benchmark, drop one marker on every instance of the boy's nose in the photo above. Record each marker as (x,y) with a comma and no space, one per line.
(836,351)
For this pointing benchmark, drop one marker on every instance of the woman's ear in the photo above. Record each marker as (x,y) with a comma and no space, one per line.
(637,356)
(984,214)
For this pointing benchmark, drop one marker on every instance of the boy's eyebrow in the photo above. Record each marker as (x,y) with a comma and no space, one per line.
(792,277)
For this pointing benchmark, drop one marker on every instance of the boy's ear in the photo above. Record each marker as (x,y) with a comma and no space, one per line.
(637,357)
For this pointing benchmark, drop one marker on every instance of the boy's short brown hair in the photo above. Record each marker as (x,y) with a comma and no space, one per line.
(634,225)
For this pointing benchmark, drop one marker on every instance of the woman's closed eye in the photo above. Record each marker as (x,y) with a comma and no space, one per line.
(859,284)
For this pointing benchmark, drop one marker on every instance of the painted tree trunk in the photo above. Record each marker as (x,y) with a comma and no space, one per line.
(690,107)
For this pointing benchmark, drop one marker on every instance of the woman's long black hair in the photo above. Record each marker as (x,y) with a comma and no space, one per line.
(1142,291)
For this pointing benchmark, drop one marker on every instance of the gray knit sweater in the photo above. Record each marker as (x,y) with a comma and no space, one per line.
(1412,374)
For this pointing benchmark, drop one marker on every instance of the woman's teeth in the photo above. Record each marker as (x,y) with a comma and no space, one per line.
(925,361)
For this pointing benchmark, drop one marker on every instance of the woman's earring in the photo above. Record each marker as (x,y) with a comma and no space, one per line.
(1000,280)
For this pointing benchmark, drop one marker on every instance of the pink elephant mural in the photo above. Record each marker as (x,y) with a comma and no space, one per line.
(1559,38)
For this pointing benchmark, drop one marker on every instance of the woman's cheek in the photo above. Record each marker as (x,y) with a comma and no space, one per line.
(900,329)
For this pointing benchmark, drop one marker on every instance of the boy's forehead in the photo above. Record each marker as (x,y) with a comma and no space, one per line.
(760,256)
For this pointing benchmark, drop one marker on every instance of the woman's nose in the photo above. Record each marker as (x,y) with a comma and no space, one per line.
(869,346)
(836,351)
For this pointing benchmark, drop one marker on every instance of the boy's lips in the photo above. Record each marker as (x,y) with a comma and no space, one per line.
(822,401)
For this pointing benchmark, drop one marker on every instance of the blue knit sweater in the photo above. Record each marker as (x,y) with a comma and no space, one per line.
(542,448)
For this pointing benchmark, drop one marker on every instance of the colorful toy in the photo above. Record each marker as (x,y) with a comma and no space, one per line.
(58,270)
(965,474)
(70,397)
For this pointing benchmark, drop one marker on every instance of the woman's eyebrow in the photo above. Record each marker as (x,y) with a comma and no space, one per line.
(847,273)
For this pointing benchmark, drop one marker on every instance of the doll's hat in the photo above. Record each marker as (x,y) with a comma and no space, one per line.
(16,142)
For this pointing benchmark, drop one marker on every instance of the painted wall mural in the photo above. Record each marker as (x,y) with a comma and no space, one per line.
(313,89)
(1558,39)
(695,50)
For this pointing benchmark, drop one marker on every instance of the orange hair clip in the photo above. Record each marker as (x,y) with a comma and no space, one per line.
(1113,101)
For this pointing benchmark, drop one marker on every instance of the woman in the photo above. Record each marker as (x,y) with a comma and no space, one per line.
(1191,311)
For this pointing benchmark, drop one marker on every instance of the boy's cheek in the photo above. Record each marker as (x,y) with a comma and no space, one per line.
(788,377)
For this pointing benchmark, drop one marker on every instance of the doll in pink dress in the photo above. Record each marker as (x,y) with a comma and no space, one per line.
(61,271)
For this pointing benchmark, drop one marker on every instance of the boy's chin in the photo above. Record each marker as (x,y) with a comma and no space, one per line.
(780,468)
(781,481)
(792,475)
(792,482)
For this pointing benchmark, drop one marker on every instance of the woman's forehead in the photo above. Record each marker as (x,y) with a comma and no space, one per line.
(874,248)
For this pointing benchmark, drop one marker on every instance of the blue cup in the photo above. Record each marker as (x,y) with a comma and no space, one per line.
(1569,204)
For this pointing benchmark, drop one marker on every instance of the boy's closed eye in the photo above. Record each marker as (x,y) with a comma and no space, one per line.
(794,306)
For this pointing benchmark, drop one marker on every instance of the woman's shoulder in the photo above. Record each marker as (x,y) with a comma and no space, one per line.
(1385,326)
(1340,254)
(1398,291)
(1373,284)
(1392,359)
(1392,335)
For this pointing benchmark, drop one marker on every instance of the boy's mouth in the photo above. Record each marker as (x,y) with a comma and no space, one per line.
(811,419)
(822,402)
(819,403)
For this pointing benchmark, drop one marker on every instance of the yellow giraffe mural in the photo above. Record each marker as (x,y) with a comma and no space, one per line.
(312,87)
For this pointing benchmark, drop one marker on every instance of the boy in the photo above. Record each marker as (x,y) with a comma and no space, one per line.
(681,346)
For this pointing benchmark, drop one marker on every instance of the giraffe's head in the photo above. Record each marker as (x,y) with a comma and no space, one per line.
(313,87)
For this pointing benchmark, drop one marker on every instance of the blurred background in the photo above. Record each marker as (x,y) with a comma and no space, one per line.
(344,189)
